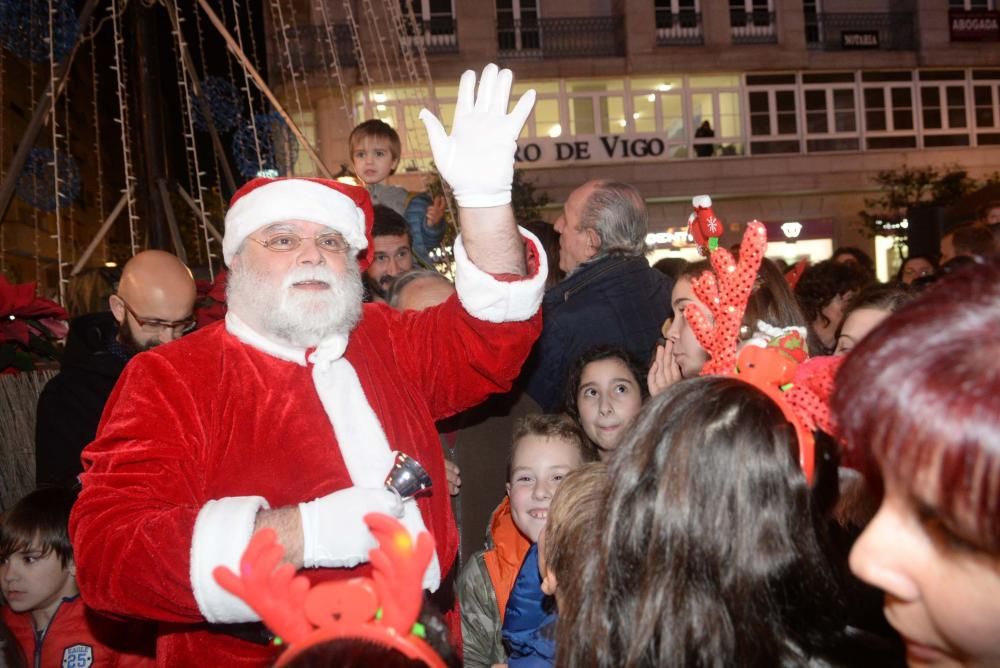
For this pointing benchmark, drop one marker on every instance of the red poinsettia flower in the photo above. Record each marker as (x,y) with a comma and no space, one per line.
(22,313)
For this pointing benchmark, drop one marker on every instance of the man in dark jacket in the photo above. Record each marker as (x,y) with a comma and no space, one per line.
(610,294)
(153,305)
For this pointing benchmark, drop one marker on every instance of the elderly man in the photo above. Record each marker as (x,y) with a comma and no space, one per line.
(153,305)
(610,294)
(287,414)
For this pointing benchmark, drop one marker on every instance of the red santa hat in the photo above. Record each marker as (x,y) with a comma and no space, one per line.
(262,201)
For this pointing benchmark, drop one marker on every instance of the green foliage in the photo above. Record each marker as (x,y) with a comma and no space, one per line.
(904,188)
(526,201)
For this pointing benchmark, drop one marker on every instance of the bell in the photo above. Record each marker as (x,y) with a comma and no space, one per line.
(407,477)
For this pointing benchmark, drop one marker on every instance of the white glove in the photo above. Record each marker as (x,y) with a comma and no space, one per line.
(477,159)
(334,534)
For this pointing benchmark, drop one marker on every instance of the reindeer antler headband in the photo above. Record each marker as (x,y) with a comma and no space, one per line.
(777,366)
(382,609)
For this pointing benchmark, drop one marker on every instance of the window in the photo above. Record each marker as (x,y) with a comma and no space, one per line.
(943,107)
(970,5)
(435,22)
(830,118)
(517,25)
(752,21)
(888,112)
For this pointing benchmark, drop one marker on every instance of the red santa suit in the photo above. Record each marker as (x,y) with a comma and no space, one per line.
(202,433)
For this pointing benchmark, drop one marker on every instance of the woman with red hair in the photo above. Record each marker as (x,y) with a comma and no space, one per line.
(920,397)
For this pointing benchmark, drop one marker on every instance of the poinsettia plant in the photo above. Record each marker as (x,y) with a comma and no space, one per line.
(30,326)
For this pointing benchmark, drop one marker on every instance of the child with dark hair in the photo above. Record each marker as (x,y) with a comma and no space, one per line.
(375,154)
(867,310)
(43,606)
(544,448)
(605,389)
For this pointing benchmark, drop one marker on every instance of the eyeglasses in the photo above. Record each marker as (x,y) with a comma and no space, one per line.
(152,325)
(282,243)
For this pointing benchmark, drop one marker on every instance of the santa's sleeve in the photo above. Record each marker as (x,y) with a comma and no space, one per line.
(475,343)
(145,536)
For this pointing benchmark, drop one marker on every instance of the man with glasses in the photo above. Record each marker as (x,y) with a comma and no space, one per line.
(153,304)
(287,414)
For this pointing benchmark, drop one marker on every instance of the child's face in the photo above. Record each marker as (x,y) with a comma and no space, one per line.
(372,159)
(608,399)
(540,463)
(32,582)
(687,352)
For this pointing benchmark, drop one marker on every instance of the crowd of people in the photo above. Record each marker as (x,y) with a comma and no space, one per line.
(729,462)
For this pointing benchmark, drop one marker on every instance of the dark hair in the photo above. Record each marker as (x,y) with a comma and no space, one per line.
(862,259)
(595,354)
(376,129)
(706,551)
(910,258)
(404,279)
(388,223)
(937,356)
(549,239)
(671,266)
(771,300)
(819,285)
(974,240)
(882,296)
(39,520)
(550,426)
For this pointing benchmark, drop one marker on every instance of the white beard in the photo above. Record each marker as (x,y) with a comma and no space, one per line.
(299,317)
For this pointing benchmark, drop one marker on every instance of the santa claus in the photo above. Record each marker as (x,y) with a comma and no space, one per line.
(286,415)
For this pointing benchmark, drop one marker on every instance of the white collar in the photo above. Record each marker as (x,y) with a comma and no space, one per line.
(328,351)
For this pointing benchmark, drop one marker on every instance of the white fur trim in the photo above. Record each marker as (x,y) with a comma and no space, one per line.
(701,201)
(293,199)
(221,534)
(486,298)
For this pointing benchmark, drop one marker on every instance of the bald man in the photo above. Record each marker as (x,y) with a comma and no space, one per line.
(153,305)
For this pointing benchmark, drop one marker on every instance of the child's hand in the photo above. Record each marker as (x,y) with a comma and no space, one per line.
(477,158)
(454,476)
(435,212)
(664,371)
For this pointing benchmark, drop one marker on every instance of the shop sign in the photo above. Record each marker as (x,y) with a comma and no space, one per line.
(974,26)
(672,237)
(814,228)
(581,151)
(859,39)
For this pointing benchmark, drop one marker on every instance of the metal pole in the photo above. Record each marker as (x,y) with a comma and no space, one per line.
(101,233)
(194,207)
(234,47)
(175,232)
(38,118)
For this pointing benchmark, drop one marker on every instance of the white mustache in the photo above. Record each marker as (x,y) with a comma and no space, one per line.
(319,273)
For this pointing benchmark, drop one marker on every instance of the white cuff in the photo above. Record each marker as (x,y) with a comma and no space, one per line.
(486,298)
(221,534)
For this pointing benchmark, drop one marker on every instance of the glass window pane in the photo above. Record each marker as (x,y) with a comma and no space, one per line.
(956,96)
(644,112)
(901,97)
(581,116)
(661,84)
(845,121)
(816,122)
(956,118)
(983,95)
(714,81)
(760,124)
(930,97)
(613,119)
(875,120)
(984,117)
(540,87)
(672,113)
(874,98)
(815,100)
(729,115)
(702,108)
(758,102)
(902,119)
(784,100)
(594,85)
(932,119)
(843,99)
(787,124)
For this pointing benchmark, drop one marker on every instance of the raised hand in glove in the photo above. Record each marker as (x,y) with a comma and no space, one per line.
(477,158)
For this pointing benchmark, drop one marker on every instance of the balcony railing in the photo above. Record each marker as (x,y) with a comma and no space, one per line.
(890,31)
(313,47)
(439,35)
(681,29)
(588,37)
(752,27)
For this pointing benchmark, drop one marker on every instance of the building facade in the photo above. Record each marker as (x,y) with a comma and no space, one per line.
(782,110)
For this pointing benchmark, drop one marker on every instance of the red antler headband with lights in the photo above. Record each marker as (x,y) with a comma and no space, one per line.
(382,609)
(778,367)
